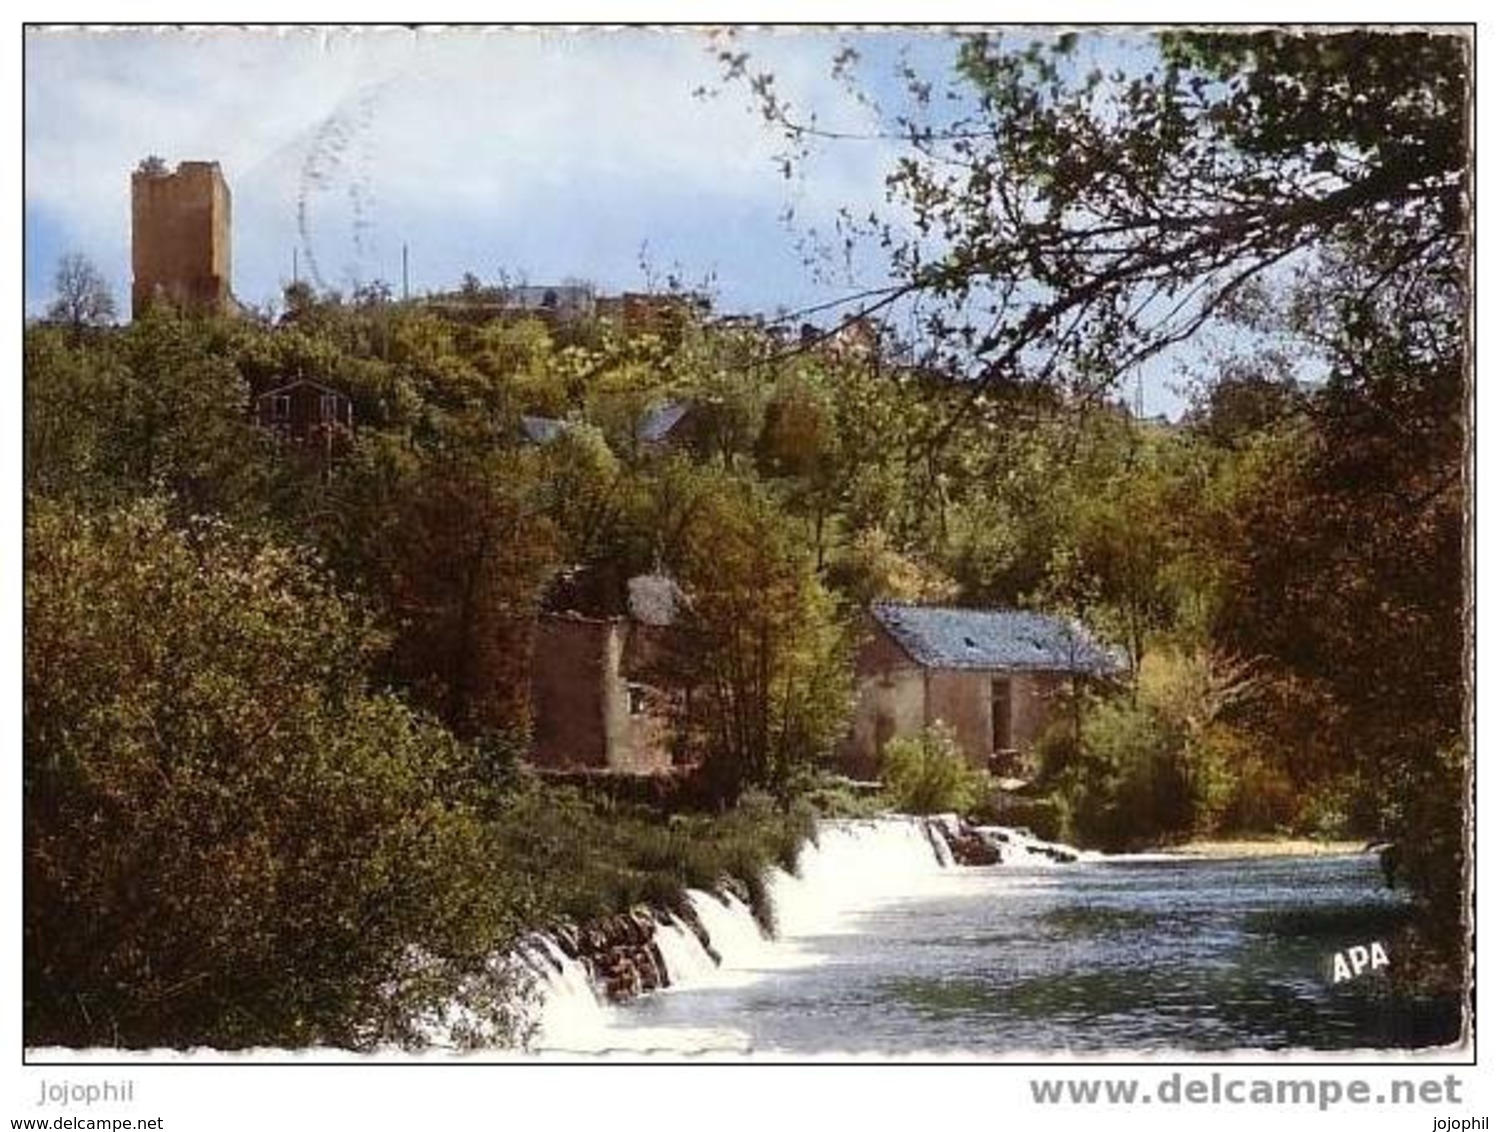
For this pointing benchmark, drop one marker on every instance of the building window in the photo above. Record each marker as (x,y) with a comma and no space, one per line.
(637,696)
(999,706)
(280,408)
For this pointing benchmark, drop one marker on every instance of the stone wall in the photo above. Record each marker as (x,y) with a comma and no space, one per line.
(890,702)
(586,712)
(961,700)
(567,707)
(620,954)
(1035,701)
(965,700)
(636,716)
(181,238)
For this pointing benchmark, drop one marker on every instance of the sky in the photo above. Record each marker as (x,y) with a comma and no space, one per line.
(539,155)
(546,154)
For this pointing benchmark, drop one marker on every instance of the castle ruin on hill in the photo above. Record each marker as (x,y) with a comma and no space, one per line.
(180,237)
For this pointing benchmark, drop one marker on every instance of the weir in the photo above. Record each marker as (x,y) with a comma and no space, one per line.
(853,867)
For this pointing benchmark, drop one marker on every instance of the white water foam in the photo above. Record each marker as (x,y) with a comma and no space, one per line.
(853,867)
(735,934)
(1021,847)
(570,1006)
(682,952)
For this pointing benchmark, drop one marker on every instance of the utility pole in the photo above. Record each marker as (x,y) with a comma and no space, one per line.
(405,275)
(295,277)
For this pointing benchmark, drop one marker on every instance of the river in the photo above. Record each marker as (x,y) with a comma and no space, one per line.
(884,951)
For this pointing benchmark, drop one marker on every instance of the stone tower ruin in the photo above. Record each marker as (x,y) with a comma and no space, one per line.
(180,238)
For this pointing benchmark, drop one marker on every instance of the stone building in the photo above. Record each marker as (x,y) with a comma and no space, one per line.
(180,237)
(993,676)
(595,702)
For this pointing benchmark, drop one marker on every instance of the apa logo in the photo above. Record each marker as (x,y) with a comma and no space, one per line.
(1358,959)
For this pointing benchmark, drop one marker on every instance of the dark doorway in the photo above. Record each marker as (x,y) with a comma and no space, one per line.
(999,708)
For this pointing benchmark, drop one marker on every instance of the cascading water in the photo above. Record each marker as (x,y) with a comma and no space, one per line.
(851,868)
(1020,847)
(734,932)
(569,1004)
(854,867)
(687,962)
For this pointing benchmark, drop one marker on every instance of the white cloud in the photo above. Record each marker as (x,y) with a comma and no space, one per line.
(496,133)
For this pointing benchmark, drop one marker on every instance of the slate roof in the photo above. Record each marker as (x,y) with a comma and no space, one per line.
(542,430)
(655,424)
(942,637)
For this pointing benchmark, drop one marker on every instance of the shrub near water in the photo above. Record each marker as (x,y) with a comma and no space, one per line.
(589,857)
(229,839)
(928,774)
(1162,764)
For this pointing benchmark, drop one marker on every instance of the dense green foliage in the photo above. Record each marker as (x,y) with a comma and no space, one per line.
(929,774)
(601,857)
(1163,764)
(230,838)
(764,636)
(273,705)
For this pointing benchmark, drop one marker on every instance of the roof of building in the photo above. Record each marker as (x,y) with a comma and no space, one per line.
(297,382)
(656,423)
(543,430)
(944,637)
(654,599)
(570,297)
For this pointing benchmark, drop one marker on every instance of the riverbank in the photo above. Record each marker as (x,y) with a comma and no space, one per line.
(1268,847)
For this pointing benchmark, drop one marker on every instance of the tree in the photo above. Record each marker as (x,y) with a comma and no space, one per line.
(763,648)
(83,297)
(1242,404)
(1347,568)
(1069,221)
(65,443)
(230,839)
(155,408)
(455,552)
(1122,544)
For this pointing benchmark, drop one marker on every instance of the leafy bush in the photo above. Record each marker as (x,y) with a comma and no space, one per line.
(1045,817)
(1162,764)
(830,797)
(586,857)
(229,839)
(1132,784)
(929,774)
